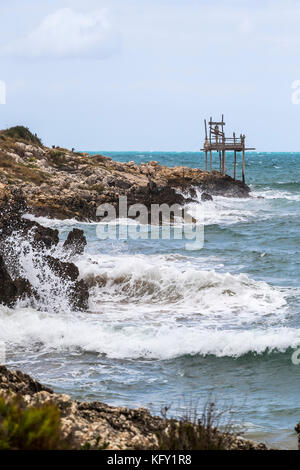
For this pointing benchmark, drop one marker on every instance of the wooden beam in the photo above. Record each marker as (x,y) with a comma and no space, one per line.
(220,158)
(210,161)
(205,129)
(224,162)
(205,160)
(216,123)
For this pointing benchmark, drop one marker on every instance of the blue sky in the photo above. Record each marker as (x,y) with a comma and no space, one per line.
(143,74)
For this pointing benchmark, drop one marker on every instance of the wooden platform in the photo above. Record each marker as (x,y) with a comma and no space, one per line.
(215,141)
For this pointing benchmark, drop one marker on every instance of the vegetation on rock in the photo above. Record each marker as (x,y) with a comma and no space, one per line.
(29,428)
(22,133)
(196,433)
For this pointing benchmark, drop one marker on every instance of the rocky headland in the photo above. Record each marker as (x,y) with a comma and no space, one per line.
(61,183)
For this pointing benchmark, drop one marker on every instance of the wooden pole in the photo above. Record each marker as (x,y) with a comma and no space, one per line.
(224,162)
(234,171)
(220,161)
(205,125)
(223,153)
(205,160)
(210,161)
(243,140)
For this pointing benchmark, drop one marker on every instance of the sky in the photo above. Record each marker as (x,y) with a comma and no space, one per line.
(144,74)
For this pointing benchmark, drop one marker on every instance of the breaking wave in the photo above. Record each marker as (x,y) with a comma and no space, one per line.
(34,330)
(152,307)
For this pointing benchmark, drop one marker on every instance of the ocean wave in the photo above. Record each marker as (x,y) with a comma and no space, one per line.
(270,193)
(162,283)
(32,330)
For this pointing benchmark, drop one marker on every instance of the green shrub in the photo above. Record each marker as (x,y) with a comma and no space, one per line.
(23,133)
(29,428)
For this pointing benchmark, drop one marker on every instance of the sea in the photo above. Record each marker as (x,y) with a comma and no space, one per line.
(169,327)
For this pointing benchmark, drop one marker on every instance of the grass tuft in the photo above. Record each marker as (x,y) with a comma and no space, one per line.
(195,433)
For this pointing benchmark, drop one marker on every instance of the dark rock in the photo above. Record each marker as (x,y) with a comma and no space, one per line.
(41,237)
(12,290)
(44,236)
(75,242)
(80,295)
(66,271)
(12,208)
(224,186)
(78,290)
(20,383)
(13,286)
(206,197)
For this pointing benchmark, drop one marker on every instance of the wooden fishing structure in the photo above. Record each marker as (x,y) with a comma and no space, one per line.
(215,141)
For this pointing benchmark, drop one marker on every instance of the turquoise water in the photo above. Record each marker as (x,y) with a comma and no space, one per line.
(170,326)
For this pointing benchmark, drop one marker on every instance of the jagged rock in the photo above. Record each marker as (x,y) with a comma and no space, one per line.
(67,271)
(18,382)
(78,290)
(12,290)
(12,206)
(79,295)
(206,197)
(75,241)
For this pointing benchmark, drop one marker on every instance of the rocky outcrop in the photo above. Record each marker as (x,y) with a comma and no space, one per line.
(78,293)
(90,423)
(12,224)
(206,197)
(17,382)
(75,242)
(12,290)
(63,184)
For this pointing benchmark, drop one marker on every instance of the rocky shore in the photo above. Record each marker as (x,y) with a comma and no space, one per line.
(95,424)
(60,183)
(64,184)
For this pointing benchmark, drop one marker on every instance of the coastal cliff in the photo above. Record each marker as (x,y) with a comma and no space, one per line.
(60,183)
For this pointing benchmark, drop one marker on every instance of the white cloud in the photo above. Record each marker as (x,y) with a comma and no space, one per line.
(67,34)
